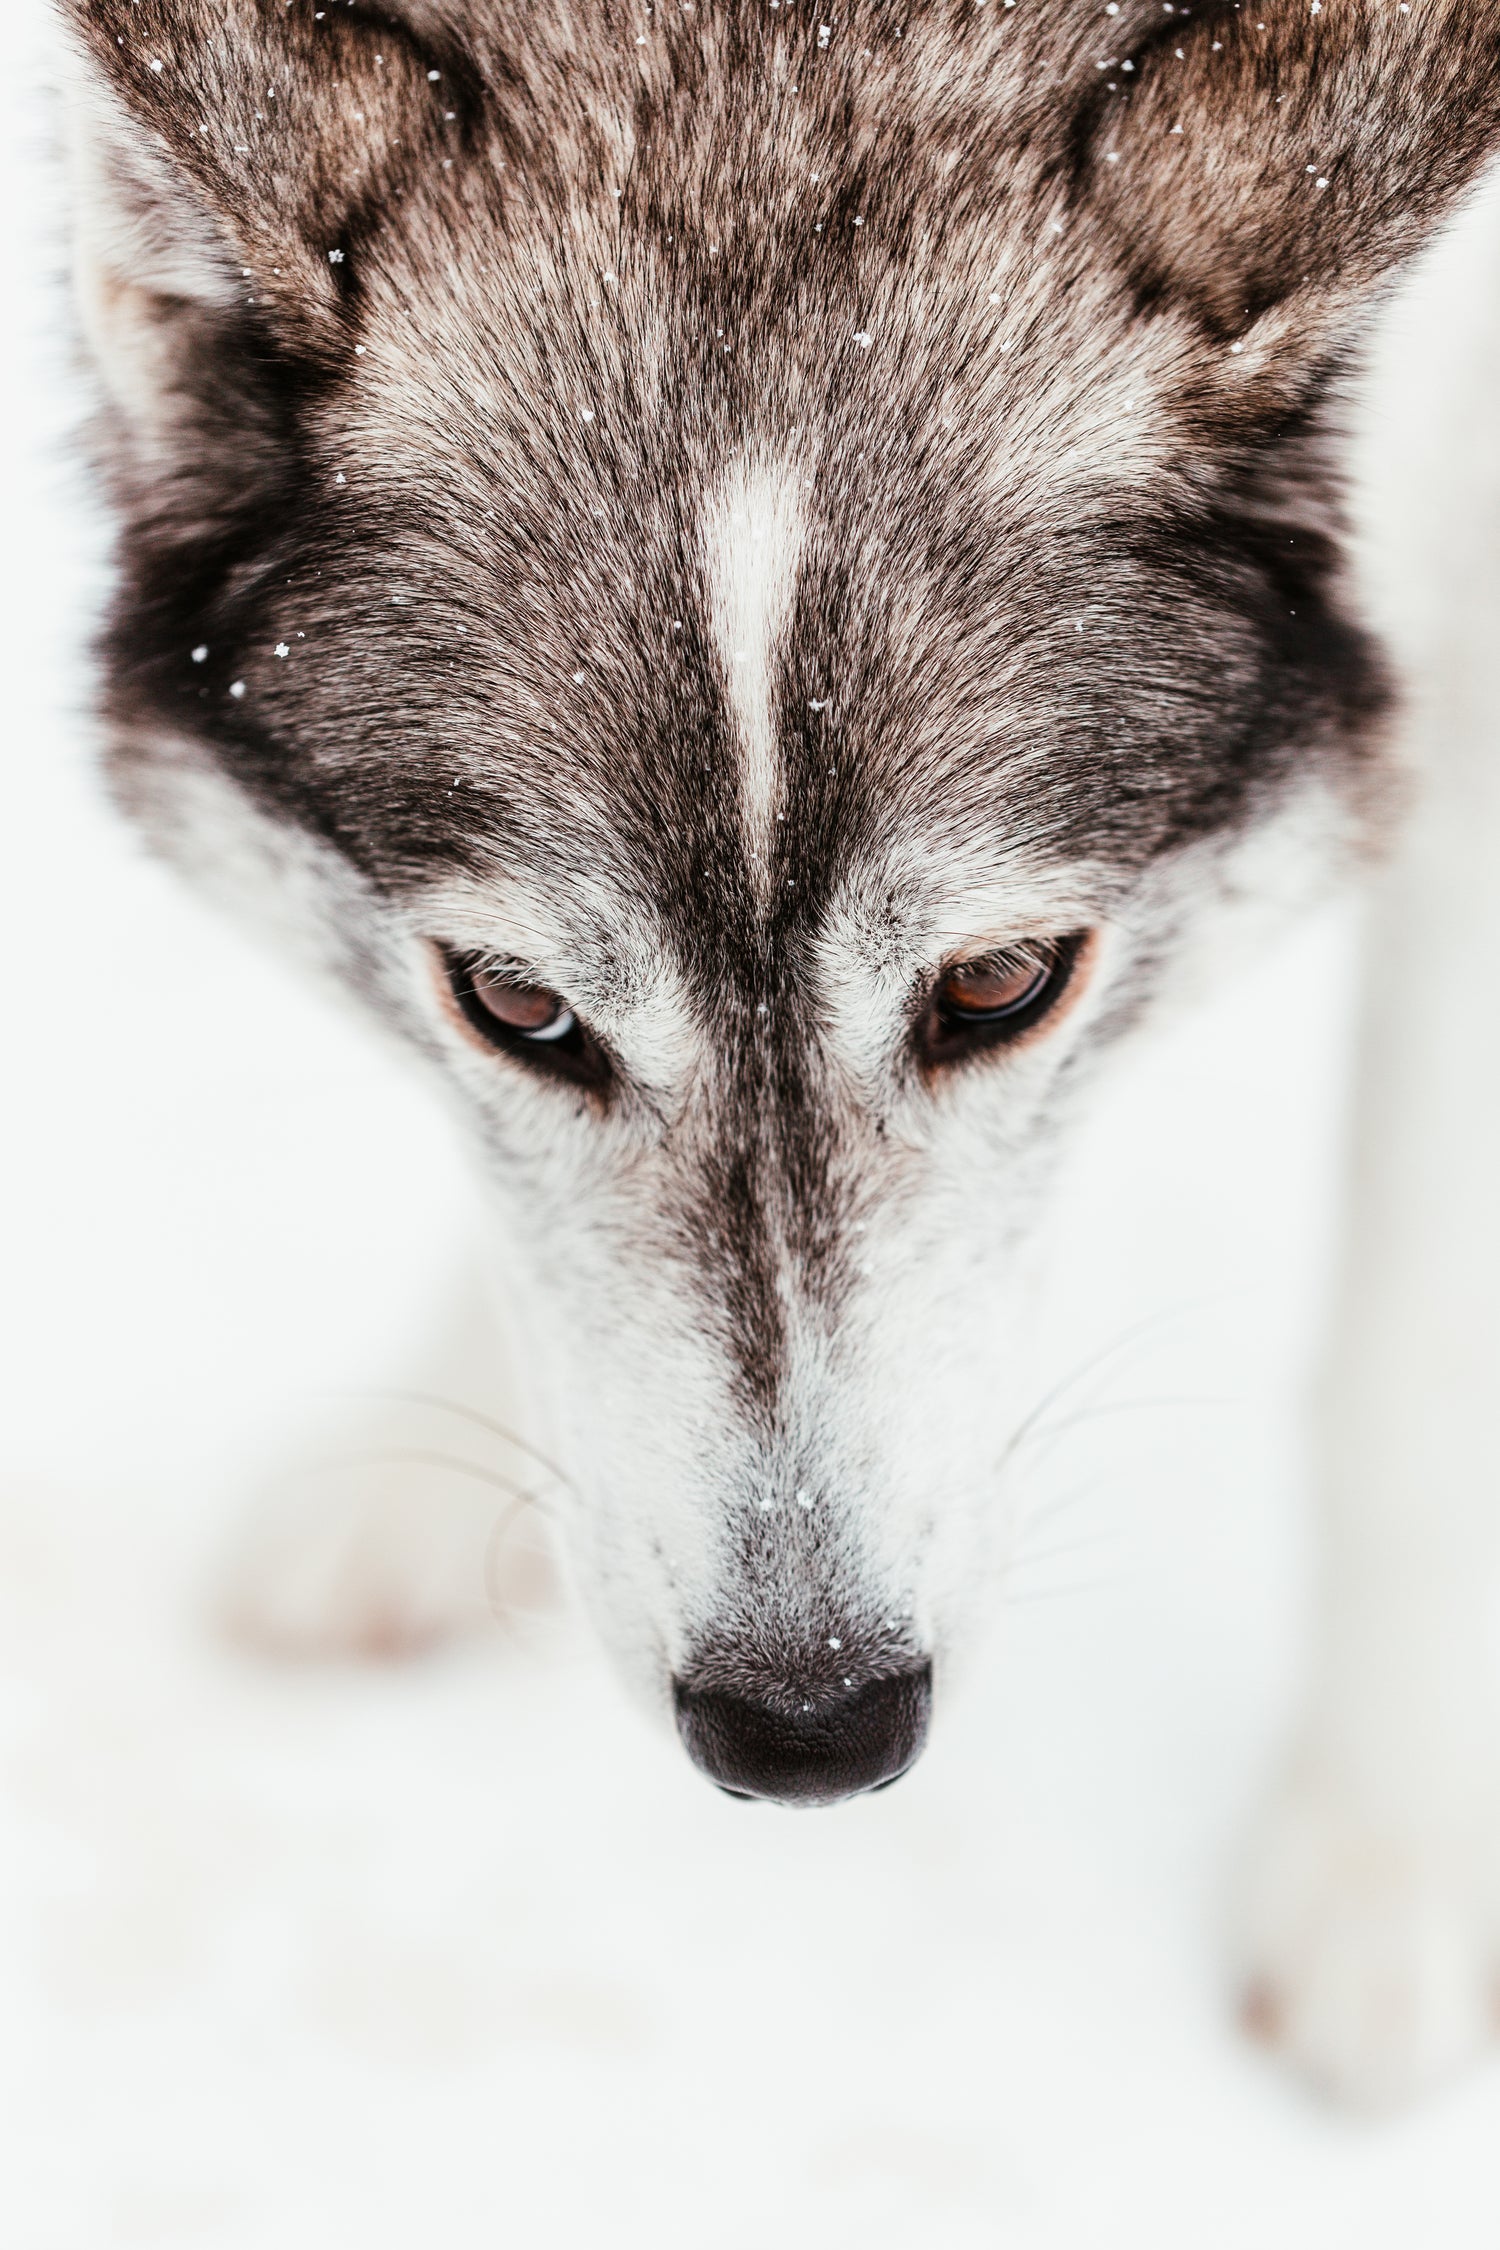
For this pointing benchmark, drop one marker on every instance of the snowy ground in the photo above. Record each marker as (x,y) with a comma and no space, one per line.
(464,1954)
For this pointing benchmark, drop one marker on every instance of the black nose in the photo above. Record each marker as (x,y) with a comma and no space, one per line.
(811,1750)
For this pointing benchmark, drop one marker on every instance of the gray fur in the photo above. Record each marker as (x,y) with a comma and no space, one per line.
(427,340)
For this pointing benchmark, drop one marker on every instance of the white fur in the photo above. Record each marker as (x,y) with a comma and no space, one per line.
(751,540)
(1371,1920)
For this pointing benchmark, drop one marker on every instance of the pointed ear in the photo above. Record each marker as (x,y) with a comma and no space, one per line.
(228,158)
(1264,168)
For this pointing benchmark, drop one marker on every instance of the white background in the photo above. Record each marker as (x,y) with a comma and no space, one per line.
(463,1953)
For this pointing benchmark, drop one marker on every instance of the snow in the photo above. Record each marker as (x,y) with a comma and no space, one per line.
(466,1954)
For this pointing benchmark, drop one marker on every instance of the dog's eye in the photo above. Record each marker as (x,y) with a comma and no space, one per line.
(994,1001)
(524,1008)
(524,1019)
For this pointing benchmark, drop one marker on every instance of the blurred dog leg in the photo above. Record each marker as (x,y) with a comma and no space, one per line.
(415,1516)
(1372,1919)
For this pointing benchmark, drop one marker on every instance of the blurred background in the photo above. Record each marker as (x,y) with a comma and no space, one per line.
(462,1952)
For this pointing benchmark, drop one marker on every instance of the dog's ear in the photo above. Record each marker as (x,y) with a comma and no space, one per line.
(1264,167)
(228,158)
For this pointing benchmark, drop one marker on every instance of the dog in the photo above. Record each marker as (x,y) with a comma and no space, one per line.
(763,584)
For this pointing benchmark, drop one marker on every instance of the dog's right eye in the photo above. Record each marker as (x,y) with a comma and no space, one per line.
(525,1020)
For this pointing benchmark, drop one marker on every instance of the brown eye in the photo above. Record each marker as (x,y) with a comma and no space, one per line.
(527,1008)
(993,988)
(524,1019)
(993,1001)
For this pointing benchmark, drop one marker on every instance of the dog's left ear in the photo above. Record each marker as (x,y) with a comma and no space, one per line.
(229,141)
(230,161)
(234,164)
(1264,168)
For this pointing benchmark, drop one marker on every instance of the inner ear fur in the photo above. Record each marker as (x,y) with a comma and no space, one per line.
(231,164)
(1267,166)
(230,151)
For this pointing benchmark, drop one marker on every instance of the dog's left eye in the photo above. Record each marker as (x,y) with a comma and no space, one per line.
(527,1020)
(993,1001)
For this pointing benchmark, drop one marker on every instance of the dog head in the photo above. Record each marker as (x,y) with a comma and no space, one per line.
(757,586)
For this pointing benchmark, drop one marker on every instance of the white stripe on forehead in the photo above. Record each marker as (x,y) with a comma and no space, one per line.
(752,535)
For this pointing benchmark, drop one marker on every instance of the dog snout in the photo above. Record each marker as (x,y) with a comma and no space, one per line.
(807,1748)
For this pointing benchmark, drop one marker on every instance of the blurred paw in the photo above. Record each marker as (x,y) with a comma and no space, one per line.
(1369,1955)
(378,1563)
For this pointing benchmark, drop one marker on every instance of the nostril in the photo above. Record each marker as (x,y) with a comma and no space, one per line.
(804,1751)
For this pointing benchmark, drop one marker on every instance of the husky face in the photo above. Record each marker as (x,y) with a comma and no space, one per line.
(756,591)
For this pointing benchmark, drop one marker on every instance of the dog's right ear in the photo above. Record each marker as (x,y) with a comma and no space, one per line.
(1265,169)
(229,158)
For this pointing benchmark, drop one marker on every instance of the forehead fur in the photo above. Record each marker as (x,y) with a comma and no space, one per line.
(516,294)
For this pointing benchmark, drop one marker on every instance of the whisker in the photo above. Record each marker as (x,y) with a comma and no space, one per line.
(1051,1432)
(463,1412)
(499,1609)
(1028,1558)
(375,1457)
(1052,1511)
(519,1496)
(1032,1517)
(1100,1359)
(1060,1593)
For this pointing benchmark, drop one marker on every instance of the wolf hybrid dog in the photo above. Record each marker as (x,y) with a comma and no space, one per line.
(761,581)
